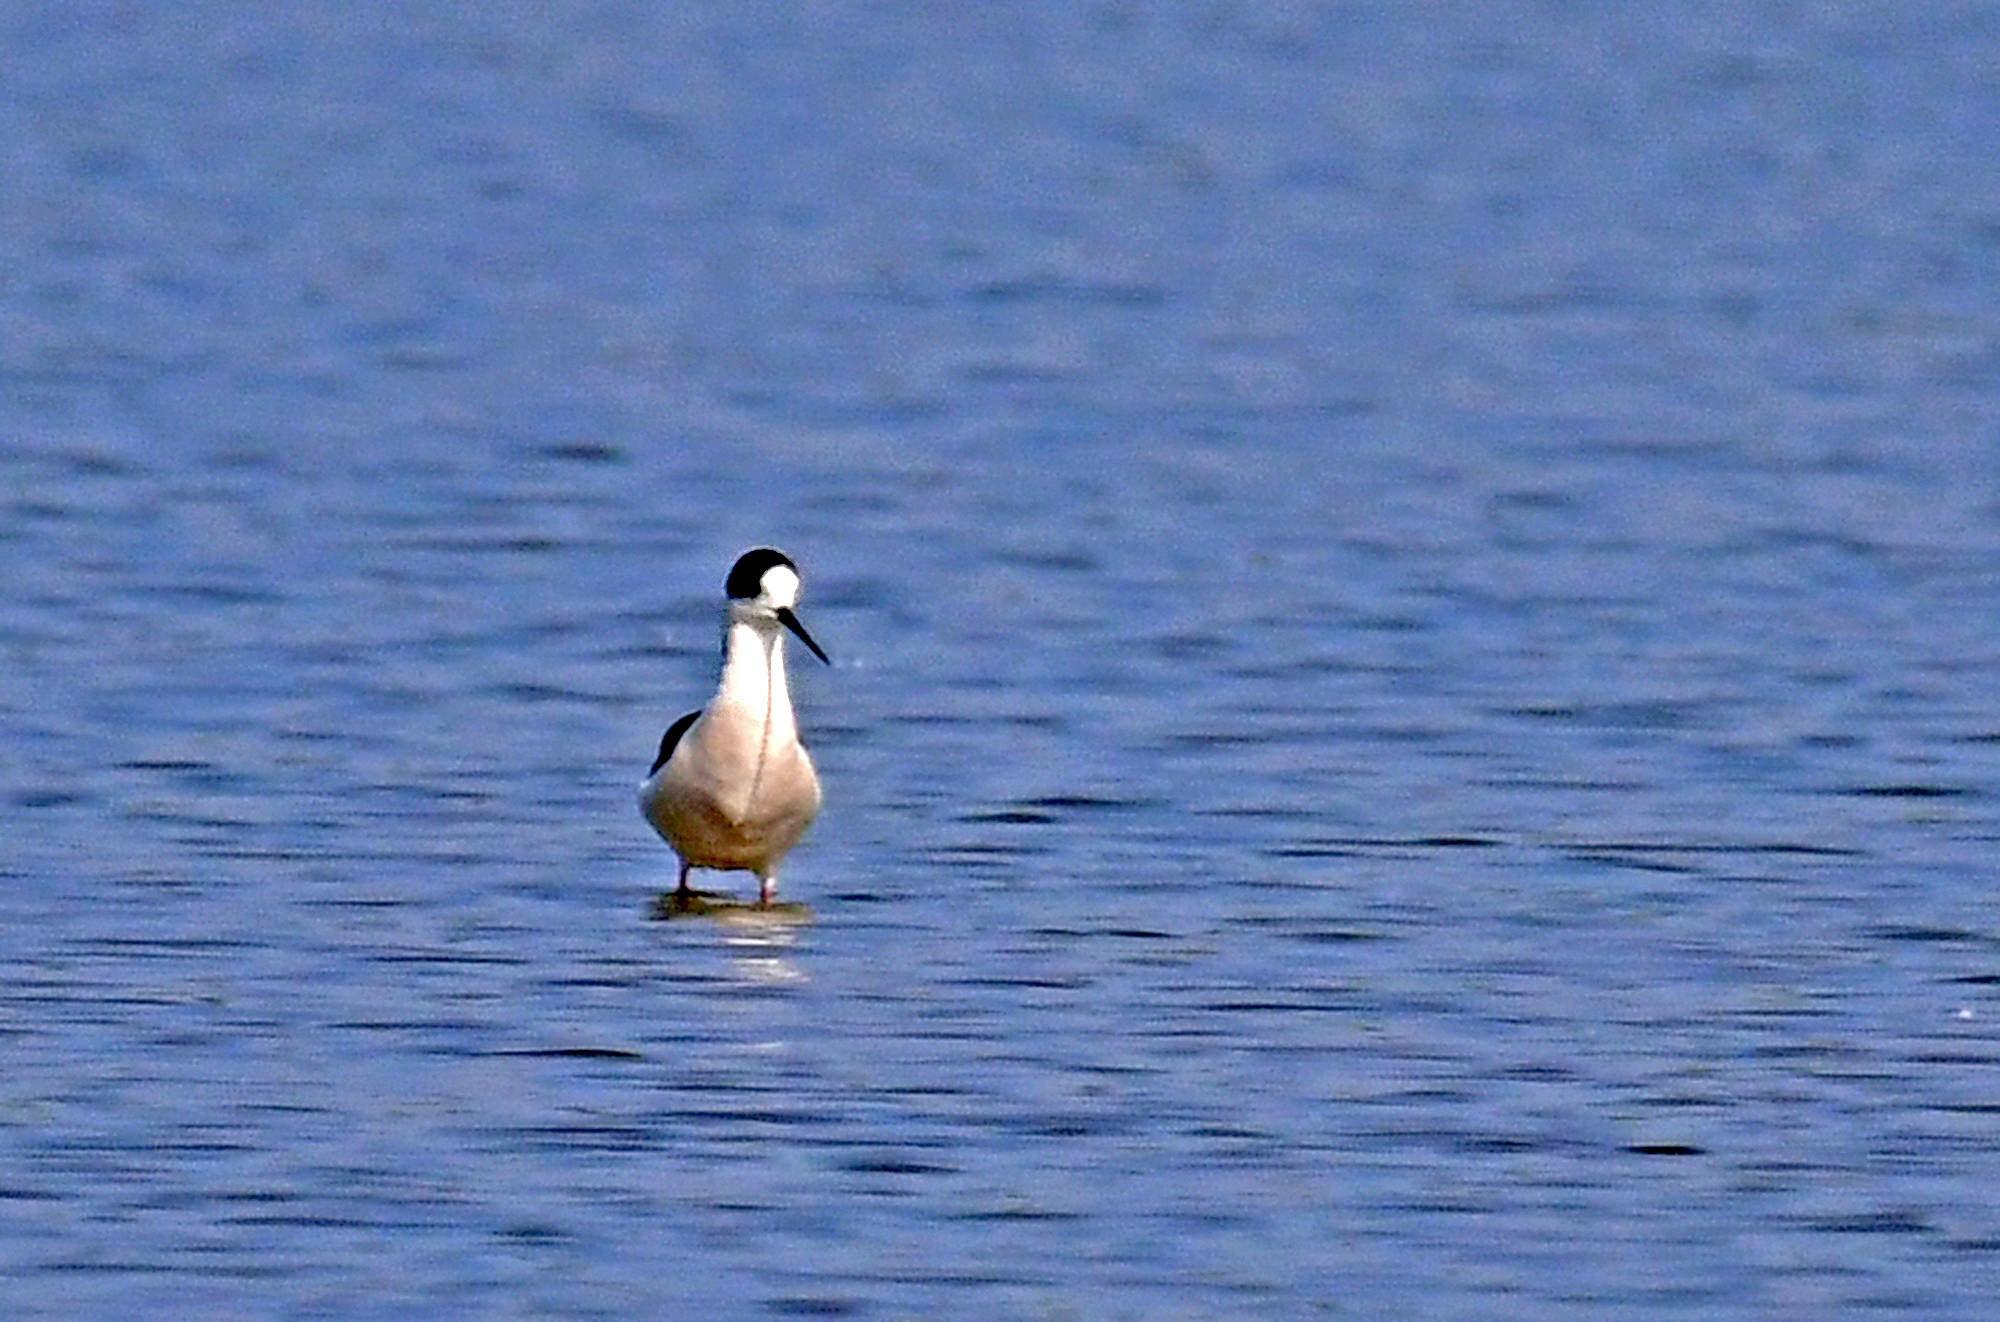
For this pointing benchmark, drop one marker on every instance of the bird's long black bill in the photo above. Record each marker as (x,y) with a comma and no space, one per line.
(791,621)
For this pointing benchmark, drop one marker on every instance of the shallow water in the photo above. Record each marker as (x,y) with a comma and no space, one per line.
(1414,616)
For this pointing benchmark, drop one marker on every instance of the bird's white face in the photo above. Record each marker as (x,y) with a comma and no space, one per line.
(777,590)
(780,589)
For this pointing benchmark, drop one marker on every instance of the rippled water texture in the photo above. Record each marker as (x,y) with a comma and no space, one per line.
(1413,594)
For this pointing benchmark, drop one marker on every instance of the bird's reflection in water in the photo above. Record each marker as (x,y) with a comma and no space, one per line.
(757,934)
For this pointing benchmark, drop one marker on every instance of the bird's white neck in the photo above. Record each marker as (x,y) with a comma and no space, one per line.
(753,681)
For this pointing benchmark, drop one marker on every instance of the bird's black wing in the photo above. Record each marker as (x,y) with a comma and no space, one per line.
(672,737)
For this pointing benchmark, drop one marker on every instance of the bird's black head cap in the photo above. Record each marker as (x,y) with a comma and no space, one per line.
(746,580)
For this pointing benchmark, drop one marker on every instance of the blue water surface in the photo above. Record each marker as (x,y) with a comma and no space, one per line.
(1415,596)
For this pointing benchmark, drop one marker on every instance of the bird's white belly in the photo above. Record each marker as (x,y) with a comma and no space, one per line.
(731,797)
